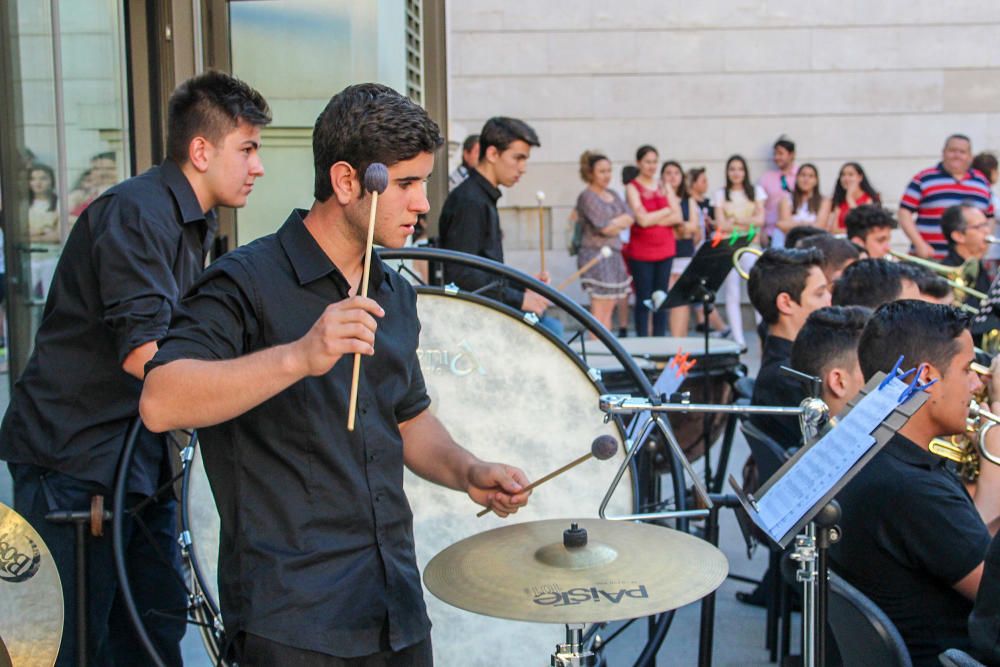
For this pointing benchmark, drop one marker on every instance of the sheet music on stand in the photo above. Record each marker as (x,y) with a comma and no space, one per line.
(817,472)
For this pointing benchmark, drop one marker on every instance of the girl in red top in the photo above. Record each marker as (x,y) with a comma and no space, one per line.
(651,246)
(852,190)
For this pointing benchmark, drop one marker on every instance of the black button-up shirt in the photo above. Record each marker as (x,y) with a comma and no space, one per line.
(911,532)
(775,387)
(316,546)
(470,223)
(130,256)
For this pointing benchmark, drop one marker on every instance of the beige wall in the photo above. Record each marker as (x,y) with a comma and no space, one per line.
(878,82)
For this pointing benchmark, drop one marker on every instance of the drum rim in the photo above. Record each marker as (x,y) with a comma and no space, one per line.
(190,546)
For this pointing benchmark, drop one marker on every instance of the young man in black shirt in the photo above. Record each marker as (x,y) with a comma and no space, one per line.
(872,282)
(469,219)
(129,258)
(827,348)
(785,286)
(913,539)
(316,560)
(869,227)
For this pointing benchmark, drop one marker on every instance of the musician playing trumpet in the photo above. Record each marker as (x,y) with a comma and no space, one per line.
(913,538)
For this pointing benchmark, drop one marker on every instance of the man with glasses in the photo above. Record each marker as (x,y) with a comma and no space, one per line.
(965,228)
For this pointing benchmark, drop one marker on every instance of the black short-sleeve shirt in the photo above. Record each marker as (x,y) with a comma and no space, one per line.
(316,547)
(128,259)
(910,532)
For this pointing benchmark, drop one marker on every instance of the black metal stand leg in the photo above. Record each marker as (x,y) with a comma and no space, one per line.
(706,636)
(81,594)
(827,533)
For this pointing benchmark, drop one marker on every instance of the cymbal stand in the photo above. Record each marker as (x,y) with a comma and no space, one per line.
(573,653)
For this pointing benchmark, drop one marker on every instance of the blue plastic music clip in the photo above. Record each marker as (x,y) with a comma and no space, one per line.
(894,373)
(915,386)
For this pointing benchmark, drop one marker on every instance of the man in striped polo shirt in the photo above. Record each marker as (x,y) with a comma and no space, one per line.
(932,191)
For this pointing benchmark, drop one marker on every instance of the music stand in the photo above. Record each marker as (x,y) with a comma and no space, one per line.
(698,284)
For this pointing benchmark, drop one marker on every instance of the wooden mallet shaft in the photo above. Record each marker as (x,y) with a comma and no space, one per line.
(605,253)
(376,180)
(603,447)
(541,228)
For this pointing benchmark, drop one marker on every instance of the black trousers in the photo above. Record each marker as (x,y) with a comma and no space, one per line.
(256,651)
(155,584)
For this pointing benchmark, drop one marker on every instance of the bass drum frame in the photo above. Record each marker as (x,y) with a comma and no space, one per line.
(646,486)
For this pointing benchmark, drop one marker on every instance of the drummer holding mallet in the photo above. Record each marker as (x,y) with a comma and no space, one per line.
(316,559)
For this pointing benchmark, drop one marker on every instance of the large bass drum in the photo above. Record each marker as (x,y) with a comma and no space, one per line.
(508,391)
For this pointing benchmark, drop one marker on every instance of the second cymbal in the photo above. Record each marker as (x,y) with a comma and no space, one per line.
(532,572)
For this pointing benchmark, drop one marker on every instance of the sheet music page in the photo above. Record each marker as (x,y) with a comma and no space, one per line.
(826,462)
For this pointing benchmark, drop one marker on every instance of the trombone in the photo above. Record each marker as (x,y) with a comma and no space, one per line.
(957,276)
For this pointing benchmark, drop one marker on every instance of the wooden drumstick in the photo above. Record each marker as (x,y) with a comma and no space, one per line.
(376,181)
(602,448)
(605,253)
(540,196)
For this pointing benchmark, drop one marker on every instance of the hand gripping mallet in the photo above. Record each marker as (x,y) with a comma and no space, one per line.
(376,181)
(602,448)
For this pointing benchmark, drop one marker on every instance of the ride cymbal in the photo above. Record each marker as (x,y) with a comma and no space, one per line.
(619,570)
(31,600)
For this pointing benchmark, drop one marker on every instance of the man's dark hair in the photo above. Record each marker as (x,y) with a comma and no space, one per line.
(929,283)
(953,220)
(863,219)
(210,105)
(501,132)
(836,251)
(960,137)
(828,338)
(918,330)
(985,163)
(367,123)
(469,142)
(786,143)
(868,282)
(797,234)
(777,271)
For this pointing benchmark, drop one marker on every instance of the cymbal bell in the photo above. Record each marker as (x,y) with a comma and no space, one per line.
(31,599)
(526,571)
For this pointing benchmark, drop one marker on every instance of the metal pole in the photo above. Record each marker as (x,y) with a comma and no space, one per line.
(60,109)
(805,553)
(81,594)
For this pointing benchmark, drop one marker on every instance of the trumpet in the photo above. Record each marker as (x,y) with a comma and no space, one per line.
(969,448)
(736,259)
(958,277)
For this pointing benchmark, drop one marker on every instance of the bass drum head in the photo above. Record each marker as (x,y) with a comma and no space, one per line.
(509,393)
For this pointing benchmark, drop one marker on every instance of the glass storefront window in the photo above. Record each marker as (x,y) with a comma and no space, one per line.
(67,110)
(298,53)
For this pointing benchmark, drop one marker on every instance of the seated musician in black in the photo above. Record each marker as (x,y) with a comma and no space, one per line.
(965,227)
(785,286)
(913,539)
(838,254)
(869,228)
(872,282)
(827,347)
